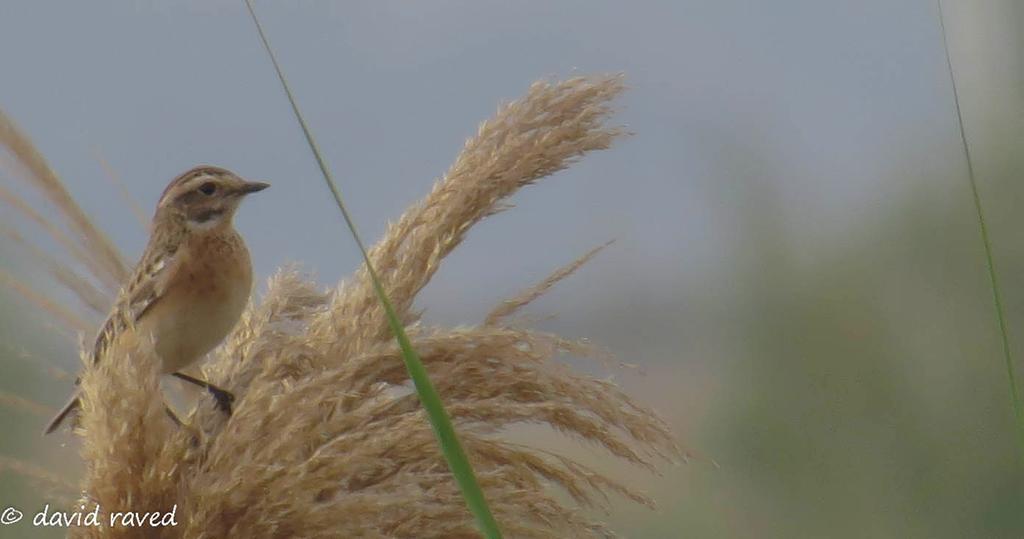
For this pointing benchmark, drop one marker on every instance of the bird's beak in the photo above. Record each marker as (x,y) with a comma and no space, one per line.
(252,187)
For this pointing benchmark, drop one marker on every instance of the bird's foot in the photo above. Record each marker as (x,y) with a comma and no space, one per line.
(224,398)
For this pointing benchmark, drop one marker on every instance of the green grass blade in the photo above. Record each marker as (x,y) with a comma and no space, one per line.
(997,301)
(439,419)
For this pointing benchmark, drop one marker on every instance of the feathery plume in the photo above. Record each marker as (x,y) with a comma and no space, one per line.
(327,439)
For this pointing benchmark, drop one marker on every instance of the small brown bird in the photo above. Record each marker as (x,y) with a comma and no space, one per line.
(192,281)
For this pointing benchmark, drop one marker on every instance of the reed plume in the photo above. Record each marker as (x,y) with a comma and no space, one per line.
(326,439)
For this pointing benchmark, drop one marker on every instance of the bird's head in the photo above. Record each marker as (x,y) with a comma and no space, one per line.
(205,197)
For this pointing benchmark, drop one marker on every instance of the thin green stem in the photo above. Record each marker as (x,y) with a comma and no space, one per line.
(439,419)
(997,301)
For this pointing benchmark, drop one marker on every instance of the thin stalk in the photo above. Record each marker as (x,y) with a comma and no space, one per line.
(439,419)
(997,301)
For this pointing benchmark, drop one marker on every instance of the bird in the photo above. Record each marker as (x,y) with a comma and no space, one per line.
(191,283)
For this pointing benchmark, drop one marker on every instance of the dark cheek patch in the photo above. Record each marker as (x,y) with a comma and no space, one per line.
(206,215)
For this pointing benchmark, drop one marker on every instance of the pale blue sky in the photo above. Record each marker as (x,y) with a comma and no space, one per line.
(837,105)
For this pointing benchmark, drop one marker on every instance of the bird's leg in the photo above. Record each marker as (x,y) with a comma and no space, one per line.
(194,438)
(173,416)
(223,398)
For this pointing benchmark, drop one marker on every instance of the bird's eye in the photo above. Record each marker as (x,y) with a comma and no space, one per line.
(208,188)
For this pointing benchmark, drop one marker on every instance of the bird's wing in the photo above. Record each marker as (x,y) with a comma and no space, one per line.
(146,287)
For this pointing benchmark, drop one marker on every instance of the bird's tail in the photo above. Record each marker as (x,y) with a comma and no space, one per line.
(71,406)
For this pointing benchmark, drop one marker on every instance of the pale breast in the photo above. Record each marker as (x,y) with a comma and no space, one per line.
(203,302)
